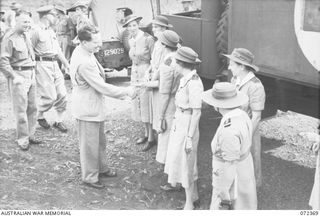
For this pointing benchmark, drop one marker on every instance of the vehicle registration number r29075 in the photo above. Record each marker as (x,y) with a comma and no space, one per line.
(113,51)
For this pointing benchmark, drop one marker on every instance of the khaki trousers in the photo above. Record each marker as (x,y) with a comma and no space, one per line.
(50,86)
(24,105)
(64,41)
(93,156)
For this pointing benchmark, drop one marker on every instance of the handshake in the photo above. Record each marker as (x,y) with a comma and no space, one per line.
(132,92)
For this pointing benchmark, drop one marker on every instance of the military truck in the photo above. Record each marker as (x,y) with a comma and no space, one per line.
(284,36)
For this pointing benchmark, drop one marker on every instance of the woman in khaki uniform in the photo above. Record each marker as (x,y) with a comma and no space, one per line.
(181,160)
(232,165)
(162,83)
(141,47)
(242,68)
(159,25)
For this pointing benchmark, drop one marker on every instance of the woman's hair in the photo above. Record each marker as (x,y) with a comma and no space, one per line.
(137,21)
(246,68)
(186,65)
(170,48)
(85,33)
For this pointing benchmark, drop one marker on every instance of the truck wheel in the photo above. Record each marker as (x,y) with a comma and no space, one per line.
(222,33)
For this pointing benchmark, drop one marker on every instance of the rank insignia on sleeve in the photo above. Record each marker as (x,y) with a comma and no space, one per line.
(227,123)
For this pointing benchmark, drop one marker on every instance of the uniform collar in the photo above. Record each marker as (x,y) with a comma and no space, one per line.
(233,113)
(248,77)
(188,77)
(138,36)
(84,51)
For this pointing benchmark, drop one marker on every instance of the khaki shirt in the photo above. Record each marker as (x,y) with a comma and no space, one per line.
(169,78)
(233,137)
(16,50)
(44,41)
(253,88)
(141,48)
(65,26)
(89,87)
(3,29)
(82,20)
(188,95)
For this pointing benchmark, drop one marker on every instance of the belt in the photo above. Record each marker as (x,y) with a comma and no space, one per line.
(186,111)
(242,157)
(22,68)
(63,34)
(38,58)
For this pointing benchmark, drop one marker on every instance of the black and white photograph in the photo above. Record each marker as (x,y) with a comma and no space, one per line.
(122,105)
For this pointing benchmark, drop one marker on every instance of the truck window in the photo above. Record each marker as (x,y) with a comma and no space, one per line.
(177,7)
(311,21)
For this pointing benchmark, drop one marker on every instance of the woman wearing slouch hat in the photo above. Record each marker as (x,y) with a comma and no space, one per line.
(141,47)
(233,181)
(243,71)
(181,159)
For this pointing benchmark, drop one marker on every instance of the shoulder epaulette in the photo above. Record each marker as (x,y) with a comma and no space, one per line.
(227,123)
(195,77)
(9,33)
(255,80)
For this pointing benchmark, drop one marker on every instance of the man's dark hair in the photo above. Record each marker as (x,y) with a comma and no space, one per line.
(85,33)
(21,12)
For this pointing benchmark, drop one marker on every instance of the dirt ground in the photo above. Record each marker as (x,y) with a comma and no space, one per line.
(48,175)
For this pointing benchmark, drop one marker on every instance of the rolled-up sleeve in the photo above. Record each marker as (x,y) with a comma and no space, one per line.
(6,54)
(91,76)
(166,79)
(257,97)
(195,89)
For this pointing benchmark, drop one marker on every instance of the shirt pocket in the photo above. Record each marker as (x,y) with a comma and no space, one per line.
(20,51)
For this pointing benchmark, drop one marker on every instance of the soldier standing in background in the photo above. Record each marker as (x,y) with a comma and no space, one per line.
(50,82)
(17,64)
(64,31)
(80,18)
(10,16)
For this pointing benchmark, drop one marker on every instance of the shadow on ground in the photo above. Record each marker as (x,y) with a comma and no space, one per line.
(48,176)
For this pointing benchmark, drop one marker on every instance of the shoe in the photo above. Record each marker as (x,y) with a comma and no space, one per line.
(66,77)
(60,126)
(196,204)
(141,140)
(43,123)
(97,185)
(108,174)
(150,145)
(24,147)
(167,187)
(35,141)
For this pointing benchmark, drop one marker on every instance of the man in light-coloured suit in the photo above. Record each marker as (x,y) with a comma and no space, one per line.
(88,106)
